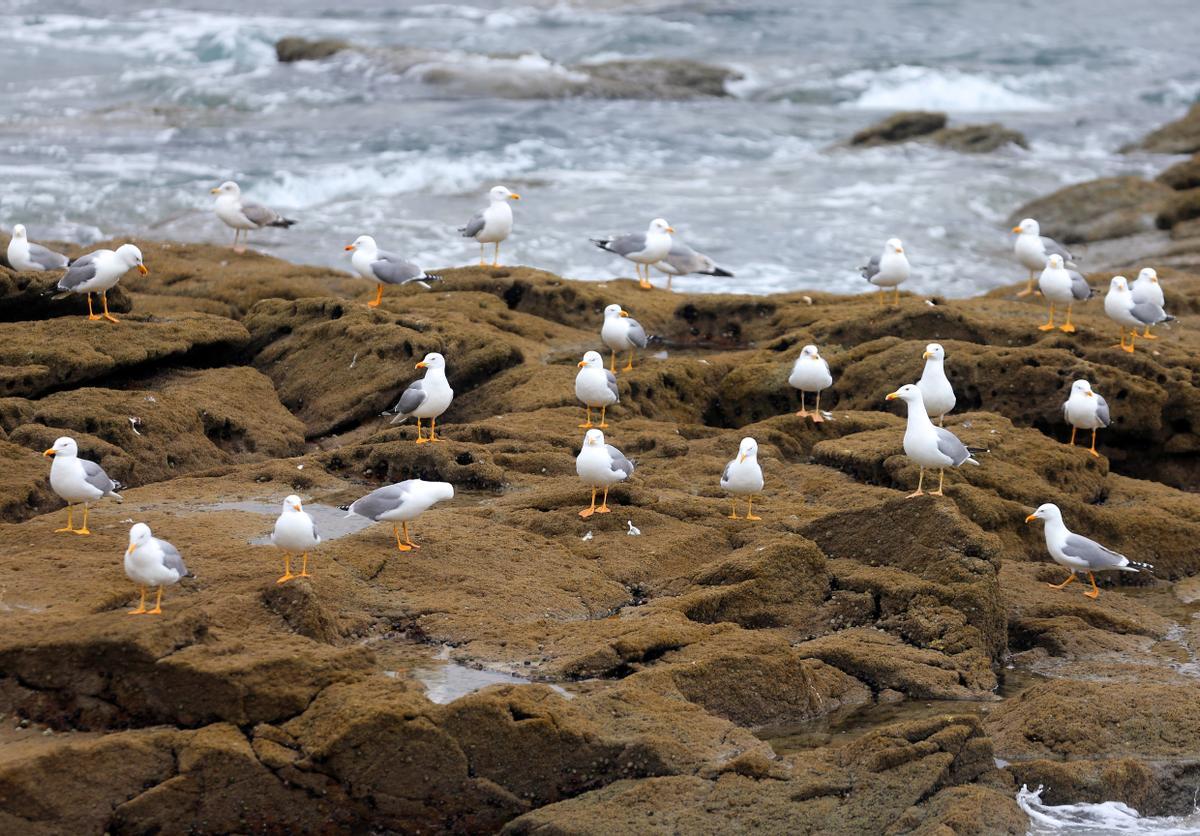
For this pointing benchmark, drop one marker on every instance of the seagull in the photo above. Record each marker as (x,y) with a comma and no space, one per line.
(935,388)
(682,260)
(642,248)
(927,445)
(428,397)
(100,270)
(1077,553)
(28,257)
(150,561)
(596,386)
(493,223)
(295,533)
(621,333)
(1145,289)
(384,267)
(810,373)
(1085,410)
(78,480)
(400,503)
(600,465)
(1064,287)
(1123,310)
(889,269)
(743,477)
(1032,249)
(243,215)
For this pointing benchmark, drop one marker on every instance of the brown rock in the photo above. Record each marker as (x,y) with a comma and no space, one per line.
(1110,207)
(1179,137)
(290,49)
(900,127)
(1184,175)
(1183,206)
(976,139)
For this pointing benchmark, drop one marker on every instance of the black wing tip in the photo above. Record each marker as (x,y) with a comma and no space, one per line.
(718,271)
(432,277)
(343,507)
(1142,567)
(602,243)
(283,223)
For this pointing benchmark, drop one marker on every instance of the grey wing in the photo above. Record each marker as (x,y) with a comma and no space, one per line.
(258,214)
(1079,286)
(381,500)
(949,446)
(48,259)
(871,269)
(1097,556)
(612,384)
(391,269)
(681,259)
(1101,410)
(316,535)
(82,270)
(473,226)
(412,398)
(1149,313)
(634,242)
(172,559)
(827,371)
(725,473)
(1052,247)
(619,462)
(95,476)
(637,334)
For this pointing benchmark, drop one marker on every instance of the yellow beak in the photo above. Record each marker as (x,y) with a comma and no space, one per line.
(926,356)
(624,313)
(214,191)
(892,396)
(582,363)
(421,365)
(1031,517)
(142,269)
(900,250)
(670,229)
(1016,229)
(129,550)
(49,452)
(349,248)
(514,197)
(297,507)
(1154,280)
(1090,394)
(742,457)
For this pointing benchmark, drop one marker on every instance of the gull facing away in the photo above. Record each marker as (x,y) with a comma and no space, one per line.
(620,332)
(743,477)
(810,373)
(150,561)
(682,260)
(600,465)
(1145,289)
(1064,287)
(401,503)
(642,248)
(385,268)
(78,480)
(889,269)
(927,445)
(27,257)
(1032,249)
(295,533)
(100,270)
(244,215)
(1077,553)
(428,397)
(596,386)
(935,387)
(1085,410)
(492,224)
(1121,308)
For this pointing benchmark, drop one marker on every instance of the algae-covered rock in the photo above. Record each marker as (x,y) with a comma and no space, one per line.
(1110,207)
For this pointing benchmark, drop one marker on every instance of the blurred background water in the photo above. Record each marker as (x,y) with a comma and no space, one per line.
(118,118)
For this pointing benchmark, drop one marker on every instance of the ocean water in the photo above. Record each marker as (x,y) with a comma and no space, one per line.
(1108,818)
(119,117)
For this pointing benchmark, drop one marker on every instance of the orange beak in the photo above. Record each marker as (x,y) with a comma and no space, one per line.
(1031,517)
(514,197)
(892,396)
(670,229)
(297,507)
(421,365)
(742,457)
(129,550)
(142,269)
(926,356)
(214,191)
(1090,394)
(582,363)
(349,248)
(624,313)
(1016,229)
(49,452)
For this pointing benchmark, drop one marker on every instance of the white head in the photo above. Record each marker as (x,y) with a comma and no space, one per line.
(809,352)
(1148,274)
(908,393)
(593,438)
(1028,227)
(500,193)
(893,245)
(934,351)
(614,310)
(1119,284)
(591,360)
(748,449)
(63,446)
(19,232)
(658,226)
(292,503)
(440,490)
(1082,387)
(1048,512)
(363,242)
(227,188)
(131,256)
(1055,262)
(139,535)
(433,360)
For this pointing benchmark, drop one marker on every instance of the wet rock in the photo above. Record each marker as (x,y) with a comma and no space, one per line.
(24,483)
(1183,206)
(1110,207)
(978,139)
(1179,137)
(900,127)
(656,78)
(1184,175)
(290,49)
(36,296)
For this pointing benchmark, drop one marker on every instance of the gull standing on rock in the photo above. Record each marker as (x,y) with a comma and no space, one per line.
(642,248)
(295,533)
(150,561)
(384,267)
(889,269)
(596,386)
(935,388)
(1077,553)
(743,477)
(1064,287)
(78,480)
(492,224)
(1145,289)
(810,373)
(1032,249)
(620,332)
(1085,410)
(100,270)
(1123,310)
(600,465)
(25,256)
(401,503)
(682,260)
(428,397)
(927,445)
(243,215)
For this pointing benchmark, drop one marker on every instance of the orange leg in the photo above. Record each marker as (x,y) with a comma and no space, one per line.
(733,513)
(803,413)
(941,480)
(433,430)
(420,438)
(142,606)
(407,539)
(1146,335)
(920,482)
(1092,449)
(1049,326)
(1064,583)
(496,256)
(1072,436)
(589,423)
(816,416)
(287,569)
(629,365)
(1029,287)
(304,573)
(1067,326)
(897,302)
(1120,328)
(70,523)
(401,546)
(1132,339)
(374,303)
(750,509)
(612,366)
(92,315)
(84,529)
(604,509)
(1094,592)
(110,318)
(602,425)
(157,604)
(587,512)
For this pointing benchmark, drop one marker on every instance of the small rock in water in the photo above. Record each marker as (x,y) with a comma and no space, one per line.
(634,531)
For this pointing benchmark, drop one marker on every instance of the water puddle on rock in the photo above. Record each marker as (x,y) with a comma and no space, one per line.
(444,679)
(332,523)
